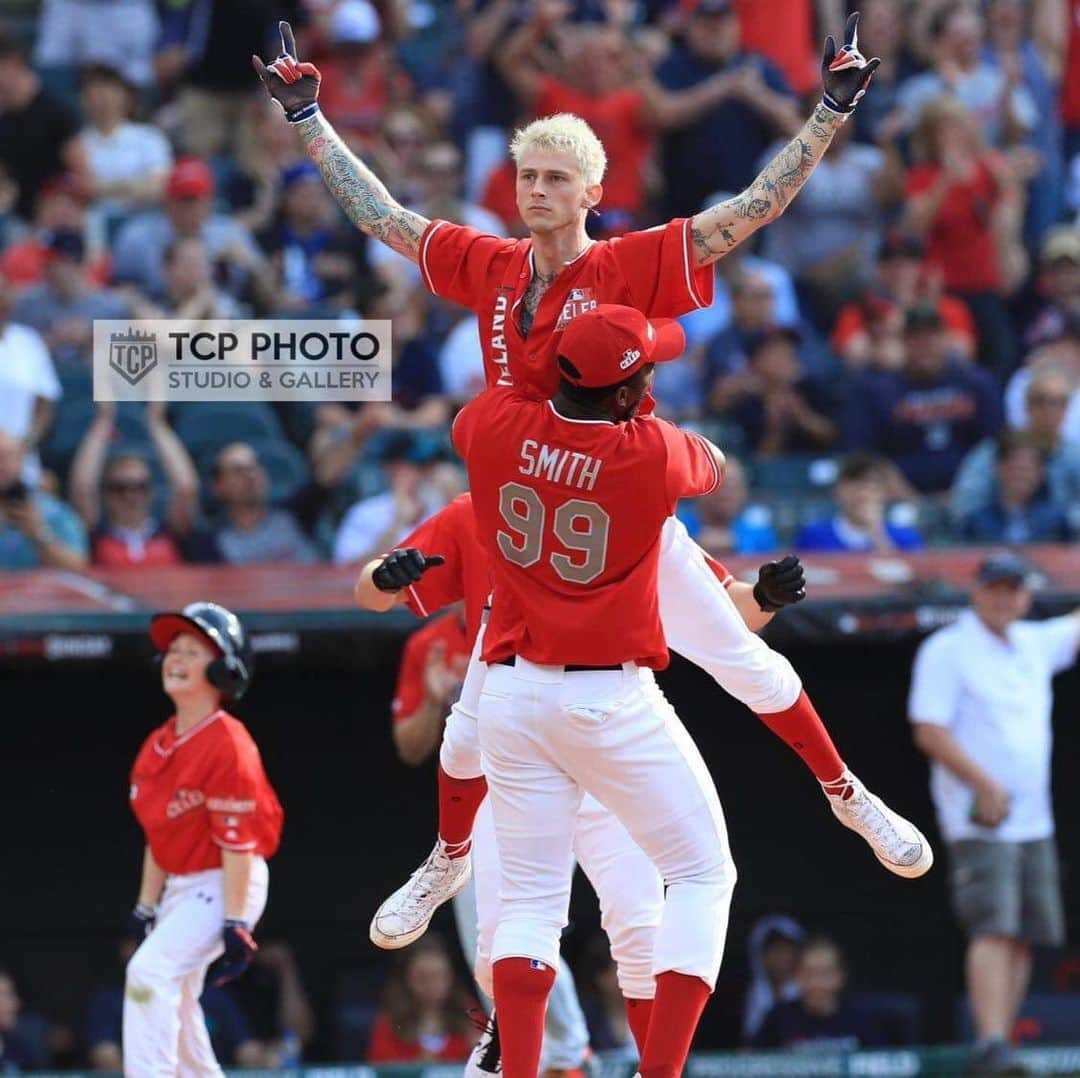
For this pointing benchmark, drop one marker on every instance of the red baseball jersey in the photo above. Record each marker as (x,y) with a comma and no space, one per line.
(203,792)
(653,271)
(410,691)
(452,533)
(571,512)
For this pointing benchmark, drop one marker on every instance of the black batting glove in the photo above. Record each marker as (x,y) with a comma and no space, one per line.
(140,922)
(293,85)
(240,949)
(847,73)
(779,584)
(402,568)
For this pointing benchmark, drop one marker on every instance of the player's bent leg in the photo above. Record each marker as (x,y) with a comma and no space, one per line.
(404,917)
(630,891)
(702,624)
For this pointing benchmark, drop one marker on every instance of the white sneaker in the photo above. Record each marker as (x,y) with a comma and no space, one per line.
(486,1058)
(898,844)
(405,915)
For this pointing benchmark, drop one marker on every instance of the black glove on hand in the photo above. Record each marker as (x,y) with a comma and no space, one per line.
(293,85)
(139,923)
(402,568)
(240,949)
(779,584)
(847,73)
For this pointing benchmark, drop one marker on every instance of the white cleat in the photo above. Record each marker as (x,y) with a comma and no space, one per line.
(897,843)
(486,1058)
(406,914)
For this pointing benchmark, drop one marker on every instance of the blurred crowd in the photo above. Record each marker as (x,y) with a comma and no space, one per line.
(893,363)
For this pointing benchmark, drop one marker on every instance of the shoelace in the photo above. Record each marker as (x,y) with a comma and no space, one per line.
(491,1056)
(421,882)
(878,822)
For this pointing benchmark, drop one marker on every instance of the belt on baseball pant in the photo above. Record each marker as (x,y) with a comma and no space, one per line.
(570,668)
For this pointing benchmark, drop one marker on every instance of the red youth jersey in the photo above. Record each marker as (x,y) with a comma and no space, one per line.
(203,792)
(410,691)
(652,271)
(571,512)
(452,533)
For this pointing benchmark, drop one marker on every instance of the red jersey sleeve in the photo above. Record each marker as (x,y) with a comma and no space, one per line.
(659,270)
(456,261)
(444,584)
(719,569)
(409,694)
(693,464)
(232,793)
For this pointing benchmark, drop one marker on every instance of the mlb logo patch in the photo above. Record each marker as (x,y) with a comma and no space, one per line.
(578,301)
(537,964)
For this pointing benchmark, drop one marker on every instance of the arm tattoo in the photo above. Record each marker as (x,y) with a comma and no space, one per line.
(359,192)
(727,224)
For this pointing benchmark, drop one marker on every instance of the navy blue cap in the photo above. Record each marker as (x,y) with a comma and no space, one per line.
(1006,566)
(66,243)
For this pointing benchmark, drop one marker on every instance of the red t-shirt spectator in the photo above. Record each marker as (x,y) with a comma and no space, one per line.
(356,109)
(616,120)
(1070,78)
(386,1046)
(961,241)
(23,264)
(782,30)
(955,316)
(113,550)
(500,197)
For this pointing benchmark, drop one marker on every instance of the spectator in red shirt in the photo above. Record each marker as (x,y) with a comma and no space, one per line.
(424,1015)
(595,73)
(360,80)
(115,497)
(964,201)
(869,332)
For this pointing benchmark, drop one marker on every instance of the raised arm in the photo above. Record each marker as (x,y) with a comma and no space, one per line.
(359,192)
(180,472)
(845,74)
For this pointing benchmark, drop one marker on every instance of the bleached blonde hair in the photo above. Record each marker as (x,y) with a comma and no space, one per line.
(567,133)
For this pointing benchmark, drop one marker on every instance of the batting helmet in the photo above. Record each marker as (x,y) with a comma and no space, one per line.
(234,667)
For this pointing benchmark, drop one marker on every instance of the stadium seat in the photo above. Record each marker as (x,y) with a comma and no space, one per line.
(73,418)
(800,473)
(206,427)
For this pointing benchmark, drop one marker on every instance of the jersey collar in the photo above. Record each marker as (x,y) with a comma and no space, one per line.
(173,742)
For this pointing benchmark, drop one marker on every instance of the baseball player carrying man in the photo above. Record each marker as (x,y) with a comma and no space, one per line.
(629,888)
(526,292)
(211,820)
(570,497)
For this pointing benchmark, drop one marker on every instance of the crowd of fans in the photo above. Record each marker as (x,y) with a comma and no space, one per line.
(894,363)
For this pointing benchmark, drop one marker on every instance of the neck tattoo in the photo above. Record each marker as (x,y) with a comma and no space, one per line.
(539,284)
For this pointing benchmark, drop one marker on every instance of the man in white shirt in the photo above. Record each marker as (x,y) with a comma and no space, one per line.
(980,703)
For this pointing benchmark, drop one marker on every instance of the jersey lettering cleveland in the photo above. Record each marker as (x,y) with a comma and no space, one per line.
(652,271)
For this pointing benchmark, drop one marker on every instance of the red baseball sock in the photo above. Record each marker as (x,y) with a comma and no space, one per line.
(801,727)
(459,800)
(522,986)
(676,1011)
(637,1016)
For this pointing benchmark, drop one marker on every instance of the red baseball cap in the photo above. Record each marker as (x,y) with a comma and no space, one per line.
(190,178)
(609,343)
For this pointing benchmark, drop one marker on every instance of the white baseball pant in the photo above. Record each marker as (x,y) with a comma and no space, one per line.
(700,622)
(547,737)
(164,1028)
(476,910)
